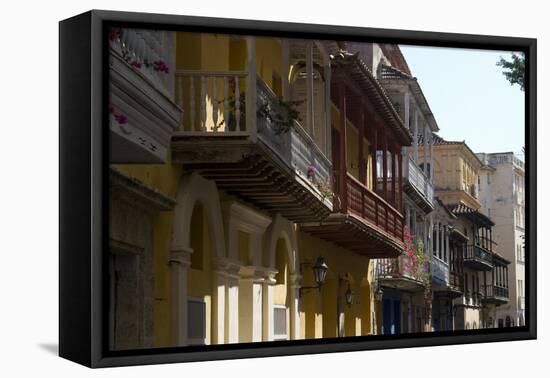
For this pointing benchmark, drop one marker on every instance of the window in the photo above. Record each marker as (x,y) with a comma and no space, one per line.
(196,321)
(279,322)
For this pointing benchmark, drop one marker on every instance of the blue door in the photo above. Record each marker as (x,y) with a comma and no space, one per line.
(391,316)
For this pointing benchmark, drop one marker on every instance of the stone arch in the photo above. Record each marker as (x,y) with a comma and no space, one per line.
(281,228)
(193,189)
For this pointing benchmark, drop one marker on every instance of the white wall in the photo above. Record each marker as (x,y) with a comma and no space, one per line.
(28,199)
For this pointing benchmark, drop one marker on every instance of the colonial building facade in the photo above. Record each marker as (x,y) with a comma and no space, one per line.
(502,197)
(266,189)
(253,180)
(484,285)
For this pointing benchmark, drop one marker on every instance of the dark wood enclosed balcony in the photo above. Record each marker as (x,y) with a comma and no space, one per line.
(246,153)
(479,258)
(401,273)
(368,193)
(456,283)
(495,295)
(363,222)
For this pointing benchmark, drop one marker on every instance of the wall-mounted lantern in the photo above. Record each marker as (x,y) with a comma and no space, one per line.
(319,273)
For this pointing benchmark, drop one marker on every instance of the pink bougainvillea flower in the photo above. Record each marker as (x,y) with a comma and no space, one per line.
(311,169)
(135,64)
(121,119)
(160,65)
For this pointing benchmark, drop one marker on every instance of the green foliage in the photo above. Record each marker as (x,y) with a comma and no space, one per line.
(325,189)
(282,114)
(514,70)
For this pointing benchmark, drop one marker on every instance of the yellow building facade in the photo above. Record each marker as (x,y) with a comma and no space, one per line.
(213,238)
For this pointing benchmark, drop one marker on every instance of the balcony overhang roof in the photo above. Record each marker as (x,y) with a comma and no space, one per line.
(360,74)
(390,75)
(474,215)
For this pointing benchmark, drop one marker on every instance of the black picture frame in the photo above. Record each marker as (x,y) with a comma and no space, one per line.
(83,75)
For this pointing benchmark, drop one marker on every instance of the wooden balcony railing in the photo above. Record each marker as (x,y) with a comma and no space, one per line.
(416,177)
(479,256)
(372,208)
(487,243)
(496,292)
(400,267)
(456,281)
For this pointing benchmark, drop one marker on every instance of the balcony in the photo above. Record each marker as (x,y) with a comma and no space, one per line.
(456,282)
(363,222)
(521,303)
(495,295)
(142,111)
(440,274)
(479,258)
(248,154)
(401,273)
(417,186)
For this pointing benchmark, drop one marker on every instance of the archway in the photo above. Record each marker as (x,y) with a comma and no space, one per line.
(199,279)
(197,309)
(281,255)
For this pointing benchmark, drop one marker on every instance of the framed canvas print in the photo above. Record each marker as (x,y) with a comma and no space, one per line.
(234,188)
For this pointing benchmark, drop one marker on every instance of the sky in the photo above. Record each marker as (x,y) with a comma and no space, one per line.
(469,96)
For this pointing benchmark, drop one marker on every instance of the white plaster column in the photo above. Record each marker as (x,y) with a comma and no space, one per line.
(250,304)
(309,86)
(224,308)
(251,87)
(232,308)
(431,158)
(268,289)
(179,262)
(447,244)
(218,308)
(425,151)
(285,51)
(328,109)
(406,108)
(415,133)
(295,284)
(436,244)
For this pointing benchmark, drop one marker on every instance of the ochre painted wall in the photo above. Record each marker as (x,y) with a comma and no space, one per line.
(319,309)
(166,179)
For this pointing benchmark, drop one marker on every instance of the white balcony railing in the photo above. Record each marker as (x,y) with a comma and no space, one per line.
(149,52)
(216,102)
(143,115)
(422,183)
